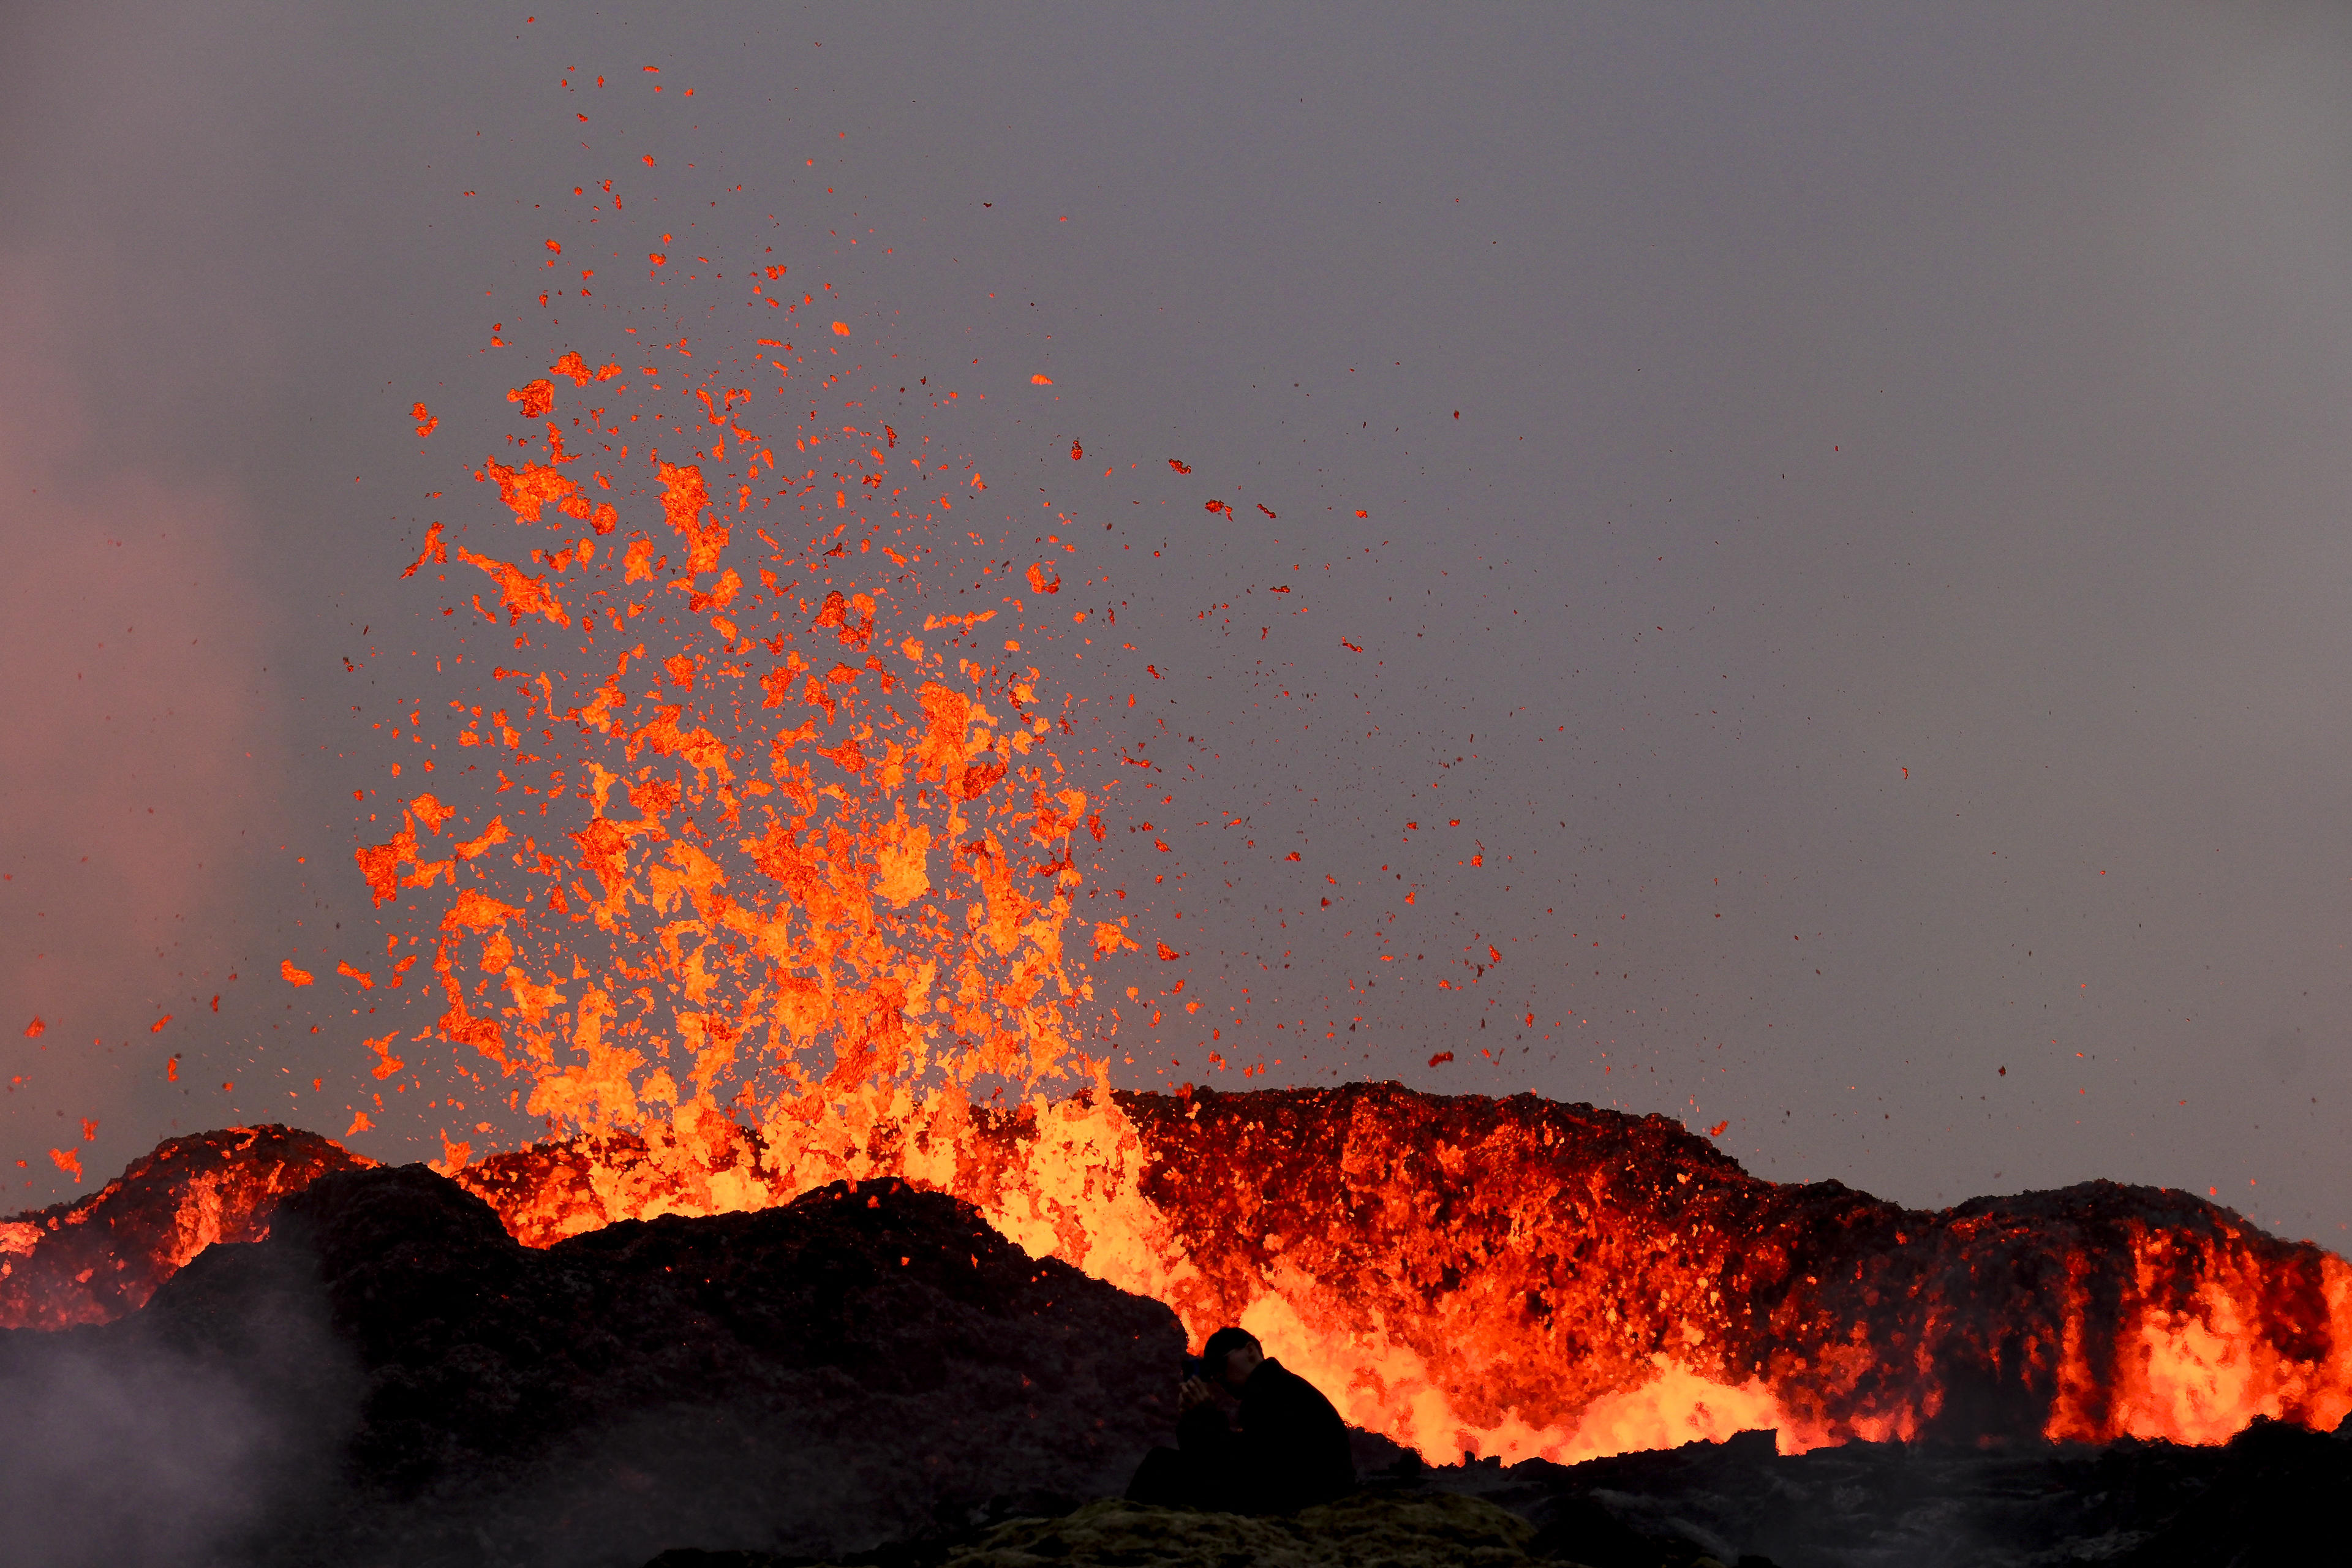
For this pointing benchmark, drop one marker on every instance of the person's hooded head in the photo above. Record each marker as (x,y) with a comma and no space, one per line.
(1231,1354)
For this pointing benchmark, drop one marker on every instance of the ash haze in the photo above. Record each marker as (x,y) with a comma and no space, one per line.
(1877,617)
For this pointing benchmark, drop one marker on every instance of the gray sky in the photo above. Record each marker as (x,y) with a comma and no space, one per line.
(1882,587)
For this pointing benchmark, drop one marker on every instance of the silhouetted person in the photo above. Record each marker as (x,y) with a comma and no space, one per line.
(1286,1450)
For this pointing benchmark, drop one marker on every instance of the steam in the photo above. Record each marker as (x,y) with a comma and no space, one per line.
(142,1459)
(161,1441)
(132,651)
(131,627)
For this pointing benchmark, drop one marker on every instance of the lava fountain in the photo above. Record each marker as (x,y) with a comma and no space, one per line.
(816,920)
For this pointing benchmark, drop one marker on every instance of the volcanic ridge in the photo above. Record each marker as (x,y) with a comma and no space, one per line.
(318,1359)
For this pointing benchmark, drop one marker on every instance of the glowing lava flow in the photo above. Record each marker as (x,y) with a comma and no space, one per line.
(813,898)
(1525,1278)
(834,907)
(1515,1278)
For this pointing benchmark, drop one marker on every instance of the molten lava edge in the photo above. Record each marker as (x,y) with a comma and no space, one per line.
(1518,1278)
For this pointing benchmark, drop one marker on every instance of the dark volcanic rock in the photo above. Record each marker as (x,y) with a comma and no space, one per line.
(869,1315)
(1426,1529)
(165,1438)
(2277,1495)
(2281,1494)
(866,1362)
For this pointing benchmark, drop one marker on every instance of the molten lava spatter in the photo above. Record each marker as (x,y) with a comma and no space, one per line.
(751,870)
(812,896)
(812,870)
(1548,1280)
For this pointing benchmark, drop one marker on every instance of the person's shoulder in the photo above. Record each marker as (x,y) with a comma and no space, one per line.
(1288,1381)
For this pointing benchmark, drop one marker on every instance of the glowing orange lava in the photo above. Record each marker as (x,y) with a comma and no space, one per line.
(751,867)
(820,888)
(820,899)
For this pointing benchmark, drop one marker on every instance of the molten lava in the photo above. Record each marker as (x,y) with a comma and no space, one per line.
(813,899)
(1516,1277)
(836,905)
(823,866)
(1520,1277)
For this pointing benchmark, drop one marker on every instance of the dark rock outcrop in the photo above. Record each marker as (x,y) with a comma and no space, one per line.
(2281,1493)
(2277,1495)
(866,1362)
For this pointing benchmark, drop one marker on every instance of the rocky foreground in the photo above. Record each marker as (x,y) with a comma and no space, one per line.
(872,1374)
(256,1347)
(2277,1495)
(391,1379)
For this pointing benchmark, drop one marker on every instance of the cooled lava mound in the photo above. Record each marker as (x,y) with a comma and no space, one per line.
(2274,1495)
(865,1362)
